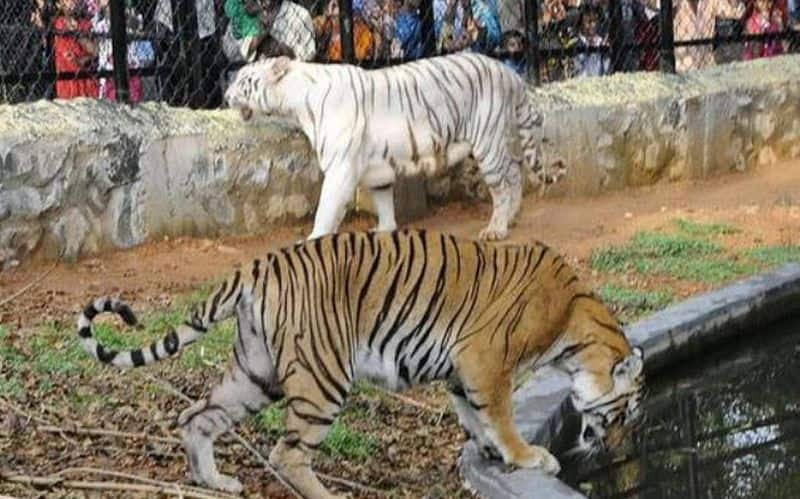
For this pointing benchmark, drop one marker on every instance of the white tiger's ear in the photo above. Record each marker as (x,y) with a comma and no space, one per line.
(631,366)
(278,69)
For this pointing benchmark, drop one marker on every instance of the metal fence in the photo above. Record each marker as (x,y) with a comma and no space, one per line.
(184,52)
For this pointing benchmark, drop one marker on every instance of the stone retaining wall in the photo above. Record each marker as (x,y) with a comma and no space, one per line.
(80,176)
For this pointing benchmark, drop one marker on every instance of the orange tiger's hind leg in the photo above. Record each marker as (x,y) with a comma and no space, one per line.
(202,423)
(489,398)
(308,420)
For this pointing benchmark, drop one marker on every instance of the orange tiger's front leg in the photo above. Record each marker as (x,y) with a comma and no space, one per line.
(488,397)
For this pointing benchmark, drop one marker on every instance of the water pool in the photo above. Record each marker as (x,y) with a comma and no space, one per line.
(726,425)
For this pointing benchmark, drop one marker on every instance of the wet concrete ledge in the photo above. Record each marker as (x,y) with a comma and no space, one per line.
(676,333)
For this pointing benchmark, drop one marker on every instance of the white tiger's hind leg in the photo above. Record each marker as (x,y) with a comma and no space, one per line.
(502,203)
(379,178)
(515,186)
(383,198)
(502,176)
(338,188)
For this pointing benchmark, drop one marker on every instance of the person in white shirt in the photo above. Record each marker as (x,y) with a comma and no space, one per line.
(594,63)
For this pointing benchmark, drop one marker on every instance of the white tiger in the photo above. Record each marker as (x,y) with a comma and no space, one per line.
(368,126)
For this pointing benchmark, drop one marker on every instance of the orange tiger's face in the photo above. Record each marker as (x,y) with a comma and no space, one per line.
(608,419)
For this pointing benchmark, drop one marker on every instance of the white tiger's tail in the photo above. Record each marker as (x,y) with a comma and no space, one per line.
(529,120)
(219,306)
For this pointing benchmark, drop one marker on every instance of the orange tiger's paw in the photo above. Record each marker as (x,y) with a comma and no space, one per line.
(538,457)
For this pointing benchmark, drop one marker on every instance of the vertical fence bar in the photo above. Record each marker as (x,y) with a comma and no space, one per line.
(192,53)
(181,91)
(530,11)
(667,37)
(617,36)
(428,28)
(346,31)
(119,50)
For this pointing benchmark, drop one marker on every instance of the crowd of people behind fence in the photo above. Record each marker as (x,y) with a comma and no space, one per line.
(244,30)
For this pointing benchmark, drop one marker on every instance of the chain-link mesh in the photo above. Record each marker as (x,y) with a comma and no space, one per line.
(184,52)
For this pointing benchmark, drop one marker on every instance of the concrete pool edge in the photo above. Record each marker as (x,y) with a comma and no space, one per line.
(685,329)
(671,335)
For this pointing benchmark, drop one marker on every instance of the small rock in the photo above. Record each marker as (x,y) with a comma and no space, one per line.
(11,424)
(784,200)
(92,264)
(205,245)
(435,492)
(663,209)
(228,250)
(628,215)
(752,209)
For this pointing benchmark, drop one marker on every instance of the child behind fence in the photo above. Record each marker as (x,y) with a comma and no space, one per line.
(766,18)
(74,50)
(408,29)
(514,48)
(593,63)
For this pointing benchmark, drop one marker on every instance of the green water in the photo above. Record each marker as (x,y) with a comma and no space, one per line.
(726,425)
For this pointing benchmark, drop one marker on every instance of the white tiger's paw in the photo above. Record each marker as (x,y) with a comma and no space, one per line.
(493,234)
(539,457)
(228,484)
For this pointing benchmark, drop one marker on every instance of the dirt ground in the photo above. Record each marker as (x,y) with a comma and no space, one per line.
(765,202)
(417,446)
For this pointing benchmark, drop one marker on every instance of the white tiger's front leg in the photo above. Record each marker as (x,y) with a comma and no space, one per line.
(338,188)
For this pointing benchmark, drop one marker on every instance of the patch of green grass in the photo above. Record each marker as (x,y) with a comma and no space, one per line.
(273,419)
(213,350)
(82,399)
(626,297)
(346,442)
(697,229)
(53,352)
(341,441)
(774,255)
(10,355)
(367,389)
(646,248)
(710,270)
(688,254)
(12,388)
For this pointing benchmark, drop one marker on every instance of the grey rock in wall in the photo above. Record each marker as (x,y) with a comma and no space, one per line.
(81,176)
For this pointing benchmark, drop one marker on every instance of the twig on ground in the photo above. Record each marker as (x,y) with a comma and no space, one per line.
(106,433)
(30,417)
(258,456)
(84,470)
(28,286)
(410,401)
(58,481)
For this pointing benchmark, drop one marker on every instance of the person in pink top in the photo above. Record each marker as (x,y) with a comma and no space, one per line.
(766,18)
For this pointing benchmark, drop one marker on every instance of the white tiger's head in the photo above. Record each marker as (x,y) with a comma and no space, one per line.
(254,89)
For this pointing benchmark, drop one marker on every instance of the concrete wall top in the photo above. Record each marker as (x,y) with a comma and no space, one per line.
(623,89)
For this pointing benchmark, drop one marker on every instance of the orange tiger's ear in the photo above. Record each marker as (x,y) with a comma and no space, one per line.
(278,69)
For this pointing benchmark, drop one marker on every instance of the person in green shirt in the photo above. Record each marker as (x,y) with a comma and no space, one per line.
(251,21)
